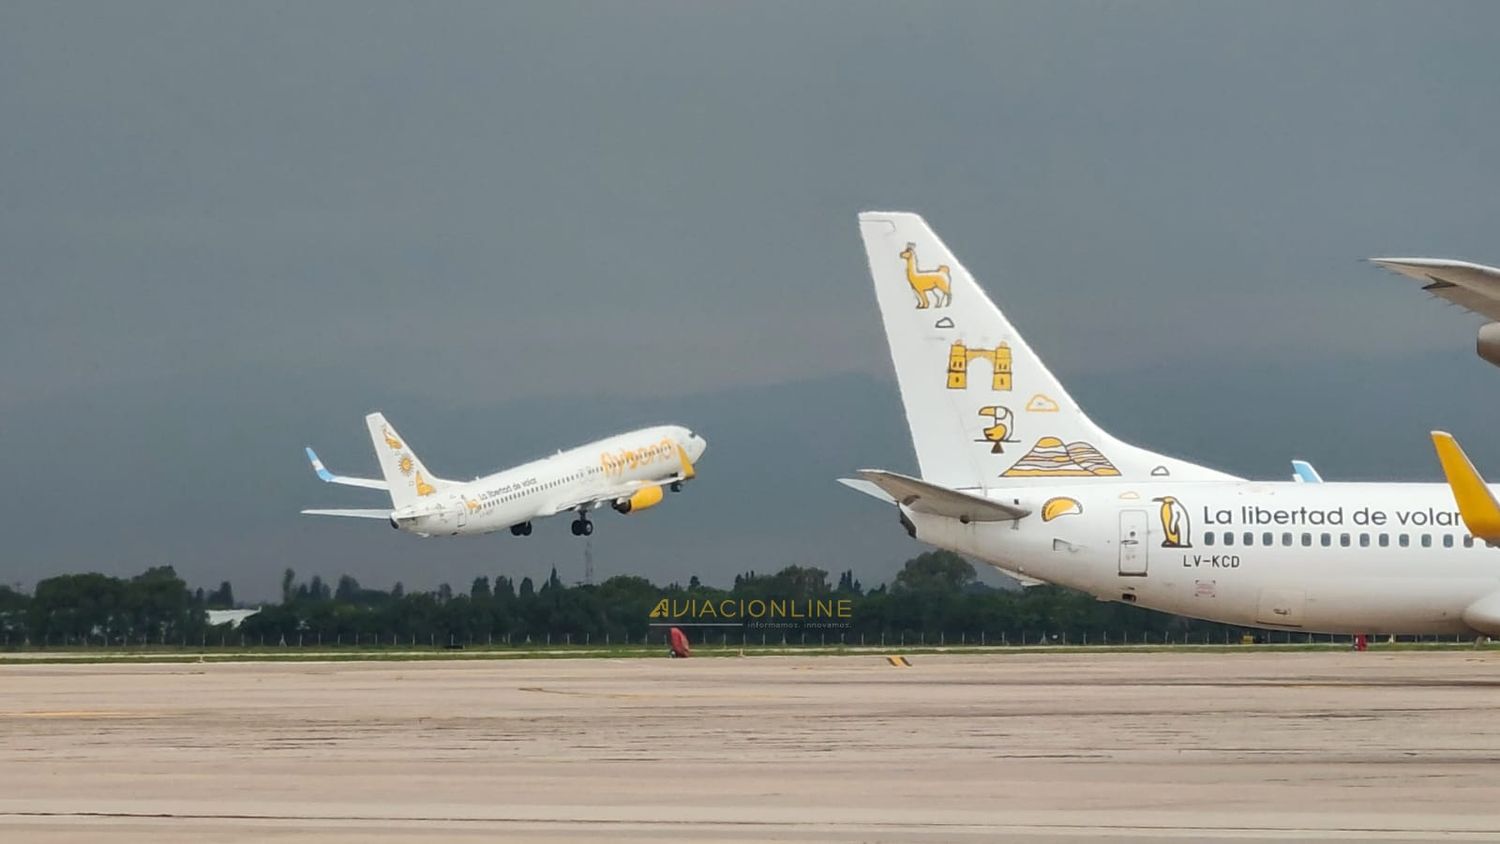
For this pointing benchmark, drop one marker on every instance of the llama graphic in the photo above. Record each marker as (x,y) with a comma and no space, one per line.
(390,439)
(924,281)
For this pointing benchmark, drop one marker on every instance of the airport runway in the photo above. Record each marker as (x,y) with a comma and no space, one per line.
(1257,746)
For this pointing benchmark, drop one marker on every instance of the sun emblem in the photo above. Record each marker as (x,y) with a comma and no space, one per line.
(405,465)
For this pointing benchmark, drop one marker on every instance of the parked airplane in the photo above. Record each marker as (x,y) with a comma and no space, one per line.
(1473,287)
(1054,498)
(628,472)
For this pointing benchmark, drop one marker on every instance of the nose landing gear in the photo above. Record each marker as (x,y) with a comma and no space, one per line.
(676,486)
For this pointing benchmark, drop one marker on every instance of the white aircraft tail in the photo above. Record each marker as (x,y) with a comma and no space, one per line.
(408,479)
(984,412)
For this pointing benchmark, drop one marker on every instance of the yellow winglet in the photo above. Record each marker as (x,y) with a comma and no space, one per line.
(1476,504)
(688,472)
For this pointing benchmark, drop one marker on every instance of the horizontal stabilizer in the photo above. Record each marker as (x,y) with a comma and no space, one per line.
(383,515)
(860,485)
(330,478)
(922,497)
(1476,504)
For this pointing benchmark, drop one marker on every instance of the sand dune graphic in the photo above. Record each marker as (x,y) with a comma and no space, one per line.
(1051,458)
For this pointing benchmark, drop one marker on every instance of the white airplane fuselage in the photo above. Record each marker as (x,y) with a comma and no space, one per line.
(1014,473)
(628,469)
(1330,558)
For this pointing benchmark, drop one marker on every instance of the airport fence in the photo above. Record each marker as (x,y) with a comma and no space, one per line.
(228,640)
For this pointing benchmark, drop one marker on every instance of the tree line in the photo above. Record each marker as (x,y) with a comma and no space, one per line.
(935,597)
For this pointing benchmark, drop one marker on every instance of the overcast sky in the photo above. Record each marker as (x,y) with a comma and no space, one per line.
(228,230)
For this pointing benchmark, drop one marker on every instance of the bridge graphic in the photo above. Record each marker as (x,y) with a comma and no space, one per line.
(960,356)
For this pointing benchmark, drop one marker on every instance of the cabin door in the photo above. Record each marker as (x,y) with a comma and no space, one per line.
(1133,529)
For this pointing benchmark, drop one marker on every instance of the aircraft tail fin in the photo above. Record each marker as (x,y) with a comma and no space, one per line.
(408,479)
(983,409)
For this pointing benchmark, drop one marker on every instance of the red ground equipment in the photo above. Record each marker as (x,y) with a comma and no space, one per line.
(679,642)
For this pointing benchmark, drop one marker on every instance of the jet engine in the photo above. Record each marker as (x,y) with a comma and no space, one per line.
(1488,342)
(644,498)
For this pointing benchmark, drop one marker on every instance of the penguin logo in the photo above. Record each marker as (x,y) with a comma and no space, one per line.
(1176,531)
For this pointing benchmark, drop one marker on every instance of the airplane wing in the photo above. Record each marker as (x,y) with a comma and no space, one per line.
(1473,287)
(330,478)
(594,502)
(351,514)
(923,497)
(623,491)
(583,504)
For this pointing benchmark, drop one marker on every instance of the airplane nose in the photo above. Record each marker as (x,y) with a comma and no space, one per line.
(696,446)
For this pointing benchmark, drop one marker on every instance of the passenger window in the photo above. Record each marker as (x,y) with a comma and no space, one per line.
(1306,540)
(1325,540)
(1343,540)
(1267,538)
(1286,539)
(1385,540)
(1468,540)
(1404,540)
(1364,540)
(1447,540)
(1208,538)
(1426,540)
(1228,537)
(1248,538)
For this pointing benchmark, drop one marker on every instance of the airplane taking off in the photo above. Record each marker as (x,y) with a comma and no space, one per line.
(628,472)
(1050,497)
(1473,287)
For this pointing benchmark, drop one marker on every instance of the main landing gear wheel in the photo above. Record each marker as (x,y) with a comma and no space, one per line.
(583,527)
(522,529)
(676,486)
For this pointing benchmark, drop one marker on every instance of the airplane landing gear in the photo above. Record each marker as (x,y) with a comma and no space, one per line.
(676,486)
(583,527)
(522,529)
